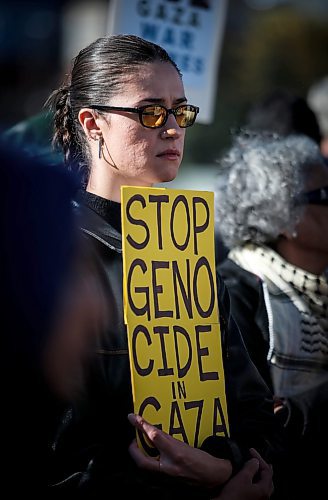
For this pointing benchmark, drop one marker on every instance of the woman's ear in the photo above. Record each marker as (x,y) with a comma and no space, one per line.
(89,123)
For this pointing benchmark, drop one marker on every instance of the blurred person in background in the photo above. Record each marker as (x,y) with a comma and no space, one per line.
(52,311)
(317,99)
(272,210)
(120,118)
(282,112)
(33,136)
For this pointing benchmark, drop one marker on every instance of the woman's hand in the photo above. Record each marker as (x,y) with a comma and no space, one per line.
(177,458)
(252,482)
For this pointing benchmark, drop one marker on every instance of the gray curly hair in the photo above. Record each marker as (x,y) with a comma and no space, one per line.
(259,178)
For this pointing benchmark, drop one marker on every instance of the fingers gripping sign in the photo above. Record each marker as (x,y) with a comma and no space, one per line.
(176,458)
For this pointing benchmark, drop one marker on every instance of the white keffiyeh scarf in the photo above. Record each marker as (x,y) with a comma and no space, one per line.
(308,292)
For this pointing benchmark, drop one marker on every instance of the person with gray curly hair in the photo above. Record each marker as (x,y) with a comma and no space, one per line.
(258,169)
(271,201)
(270,207)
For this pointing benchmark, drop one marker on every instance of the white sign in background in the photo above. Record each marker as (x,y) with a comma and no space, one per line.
(191,31)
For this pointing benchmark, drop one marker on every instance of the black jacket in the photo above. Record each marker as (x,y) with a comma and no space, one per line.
(249,310)
(304,435)
(96,433)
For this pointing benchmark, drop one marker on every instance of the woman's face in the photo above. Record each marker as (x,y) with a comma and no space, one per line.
(312,230)
(138,155)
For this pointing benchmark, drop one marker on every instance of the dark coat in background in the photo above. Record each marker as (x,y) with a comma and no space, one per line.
(304,417)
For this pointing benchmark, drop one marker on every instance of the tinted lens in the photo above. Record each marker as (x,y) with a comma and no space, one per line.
(185,115)
(153,116)
(318,196)
(315,197)
(156,116)
(322,196)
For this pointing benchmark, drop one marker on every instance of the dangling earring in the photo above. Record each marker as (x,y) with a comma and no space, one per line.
(294,234)
(100,145)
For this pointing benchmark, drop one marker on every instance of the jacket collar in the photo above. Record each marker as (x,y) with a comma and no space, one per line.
(95,226)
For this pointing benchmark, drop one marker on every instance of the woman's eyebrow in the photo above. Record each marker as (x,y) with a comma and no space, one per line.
(159,100)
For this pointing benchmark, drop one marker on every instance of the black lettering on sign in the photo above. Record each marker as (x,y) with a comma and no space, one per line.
(178,14)
(194,19)
(201,228)
(138,311)
(150,401)
(150,31)
(182,389)
(161,331)
(187,40)
(157,289)
(219,427)
(179,330)
(140,329)
(161,12)
(159,199)
(192,64)
(143,8)
(198,65)
(203,262)
(185,62)
(168,37)
(137,222)
(174,394)
(203,351)
(196,293)
(180,199)
(174,14)
(191,405)
(186,294)
(175,414)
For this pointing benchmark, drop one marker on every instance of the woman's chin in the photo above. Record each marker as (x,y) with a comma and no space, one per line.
(168,176)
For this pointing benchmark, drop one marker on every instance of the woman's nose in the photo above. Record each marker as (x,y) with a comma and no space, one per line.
(173,132)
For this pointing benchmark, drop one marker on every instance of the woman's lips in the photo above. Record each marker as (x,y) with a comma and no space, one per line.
(170,154)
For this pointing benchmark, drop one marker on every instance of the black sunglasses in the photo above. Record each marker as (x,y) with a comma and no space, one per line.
(316,197)
(155,116)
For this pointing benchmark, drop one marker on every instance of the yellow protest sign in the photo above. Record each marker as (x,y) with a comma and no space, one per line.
(171,312)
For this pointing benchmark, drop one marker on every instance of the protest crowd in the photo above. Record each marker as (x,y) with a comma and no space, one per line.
(163,343)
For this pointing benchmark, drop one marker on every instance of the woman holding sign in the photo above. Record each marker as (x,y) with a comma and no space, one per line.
(121,119)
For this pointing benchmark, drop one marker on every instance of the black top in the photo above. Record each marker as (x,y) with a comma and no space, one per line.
(107,209)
